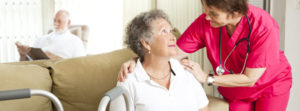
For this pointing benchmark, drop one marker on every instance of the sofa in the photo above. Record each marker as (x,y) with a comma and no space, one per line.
(79,83)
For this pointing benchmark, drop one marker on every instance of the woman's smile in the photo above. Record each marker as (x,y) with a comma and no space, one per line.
(172,45)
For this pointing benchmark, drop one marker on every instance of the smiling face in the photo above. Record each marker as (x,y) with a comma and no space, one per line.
(163,41)
(218,17)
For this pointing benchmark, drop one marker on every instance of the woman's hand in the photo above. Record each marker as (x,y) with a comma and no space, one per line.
(126,68)
(195,69)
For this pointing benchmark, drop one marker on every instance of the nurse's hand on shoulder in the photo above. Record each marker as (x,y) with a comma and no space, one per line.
(126,68)
(195,69)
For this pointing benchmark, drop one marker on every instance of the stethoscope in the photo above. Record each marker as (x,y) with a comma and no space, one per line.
(220,70)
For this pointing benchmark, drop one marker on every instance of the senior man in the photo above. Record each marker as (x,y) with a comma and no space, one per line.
(61,43)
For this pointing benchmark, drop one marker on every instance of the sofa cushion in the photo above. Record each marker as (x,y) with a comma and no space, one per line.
(81,82)
(217,104)
(25,76)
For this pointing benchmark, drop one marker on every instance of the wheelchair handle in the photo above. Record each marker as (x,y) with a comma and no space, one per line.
(14,94)
(109,96)
(27,93)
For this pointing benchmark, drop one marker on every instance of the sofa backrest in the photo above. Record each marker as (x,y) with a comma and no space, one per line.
(42,63)
(81,82)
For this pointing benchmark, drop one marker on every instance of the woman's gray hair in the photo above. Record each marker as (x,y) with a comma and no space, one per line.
(140,29)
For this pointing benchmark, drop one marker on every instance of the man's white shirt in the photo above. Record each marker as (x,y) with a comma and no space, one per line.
(185,92)
(64,45)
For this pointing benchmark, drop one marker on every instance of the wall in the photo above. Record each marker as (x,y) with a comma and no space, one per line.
(278,8)
(131,8)
(104,18)
(292,39)
(47,12)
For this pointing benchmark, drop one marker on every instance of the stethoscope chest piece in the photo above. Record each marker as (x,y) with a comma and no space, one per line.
(220,70)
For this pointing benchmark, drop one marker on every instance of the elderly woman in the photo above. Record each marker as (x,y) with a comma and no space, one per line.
(158,82)
(242,43)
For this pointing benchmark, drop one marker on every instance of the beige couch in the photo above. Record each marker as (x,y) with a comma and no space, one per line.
(79,83)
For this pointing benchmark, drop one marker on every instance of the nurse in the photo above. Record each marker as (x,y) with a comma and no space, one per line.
(242,43)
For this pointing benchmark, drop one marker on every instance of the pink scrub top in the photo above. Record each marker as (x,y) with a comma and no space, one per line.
(264,52)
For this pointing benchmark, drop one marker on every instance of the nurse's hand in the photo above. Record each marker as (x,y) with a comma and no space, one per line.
(126,68)
(195,69)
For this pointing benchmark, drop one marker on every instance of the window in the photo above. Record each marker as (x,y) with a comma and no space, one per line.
(20,21)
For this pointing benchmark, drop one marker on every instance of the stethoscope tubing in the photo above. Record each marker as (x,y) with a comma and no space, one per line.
(247,39)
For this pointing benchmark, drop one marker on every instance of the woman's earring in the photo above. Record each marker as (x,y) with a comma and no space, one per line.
(149,52)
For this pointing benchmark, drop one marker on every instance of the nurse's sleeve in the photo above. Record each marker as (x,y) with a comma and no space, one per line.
(192,39)
(119,103)
(264,48)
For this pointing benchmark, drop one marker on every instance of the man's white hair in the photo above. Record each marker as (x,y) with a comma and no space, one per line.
(66,13)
